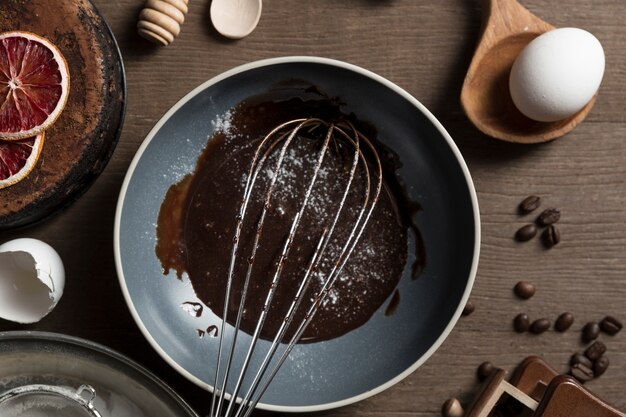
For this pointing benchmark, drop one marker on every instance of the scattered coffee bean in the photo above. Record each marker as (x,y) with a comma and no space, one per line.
(524,289)
(468,309)
(485,370)
(591,331)
(564,322)
(581,372)
(600,366)
(580,358)
(525,233)
(551,236)
(610,325)
(452,408)
(548,217)
(529,204)
(596,350)
(521,323)
(539,326)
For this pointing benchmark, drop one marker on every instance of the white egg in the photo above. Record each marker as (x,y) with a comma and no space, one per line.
(32,279)
(557,74)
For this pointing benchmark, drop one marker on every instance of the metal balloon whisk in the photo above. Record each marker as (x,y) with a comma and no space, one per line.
(363,163)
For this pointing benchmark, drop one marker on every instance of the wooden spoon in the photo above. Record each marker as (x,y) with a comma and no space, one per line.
(507,28)
(235,19)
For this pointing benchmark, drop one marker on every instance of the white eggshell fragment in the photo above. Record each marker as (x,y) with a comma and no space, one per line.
(32,279)
(557,74)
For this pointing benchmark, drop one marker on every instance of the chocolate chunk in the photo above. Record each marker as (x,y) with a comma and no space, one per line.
(581,372)
(548,217)
(551,236)
(600,366)
(580,358)
(468,309)
(539,326)
(484,370)
(564,322)
(610,325)
(525,233)
(529,204)
(452,408)
(521,323)
(590,332)
(524,289)
(596,350)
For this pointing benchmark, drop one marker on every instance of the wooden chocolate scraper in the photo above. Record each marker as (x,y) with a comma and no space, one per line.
(537,390)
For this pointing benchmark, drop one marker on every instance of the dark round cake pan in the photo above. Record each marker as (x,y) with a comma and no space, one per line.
(78,146)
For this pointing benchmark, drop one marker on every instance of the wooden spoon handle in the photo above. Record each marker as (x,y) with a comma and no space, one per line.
(160,20)
(501,18)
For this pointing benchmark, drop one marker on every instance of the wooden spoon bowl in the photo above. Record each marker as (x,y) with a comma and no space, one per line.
(507,28)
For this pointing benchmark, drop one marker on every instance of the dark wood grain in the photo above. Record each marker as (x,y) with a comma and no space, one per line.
(425,47)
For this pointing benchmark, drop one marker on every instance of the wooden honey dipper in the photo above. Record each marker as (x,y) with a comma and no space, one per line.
(160,20)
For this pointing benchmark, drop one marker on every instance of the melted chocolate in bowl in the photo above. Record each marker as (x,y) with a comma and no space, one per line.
(197,221)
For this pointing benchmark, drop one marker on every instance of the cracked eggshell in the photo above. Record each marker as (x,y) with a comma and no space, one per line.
(32,279)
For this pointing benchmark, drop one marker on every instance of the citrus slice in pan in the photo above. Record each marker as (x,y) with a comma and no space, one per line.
(34,84)
(18,158)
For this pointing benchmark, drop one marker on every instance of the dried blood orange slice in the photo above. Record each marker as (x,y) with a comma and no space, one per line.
(34,84)
(18,158)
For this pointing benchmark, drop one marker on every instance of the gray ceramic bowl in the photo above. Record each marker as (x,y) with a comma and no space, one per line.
(383,351)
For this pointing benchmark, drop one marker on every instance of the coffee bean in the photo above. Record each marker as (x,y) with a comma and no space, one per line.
(529,204)
(525,233)
(596,350)
(600,366)
(610,325)
(524,289)
(591,331)
(539,326)
(521,323)
(580,358)
(468,309)
(581,372)
(548,217)
(551,236)
(484,370)
(452,408)
(564,322)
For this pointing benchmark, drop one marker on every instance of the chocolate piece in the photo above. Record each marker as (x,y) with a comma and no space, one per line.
(529,204)
(596,350)
(564,322)
(524,289)
(521,323)
(525,233)
(610,325)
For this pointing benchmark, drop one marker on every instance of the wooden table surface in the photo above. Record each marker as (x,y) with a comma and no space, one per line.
(425,47)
